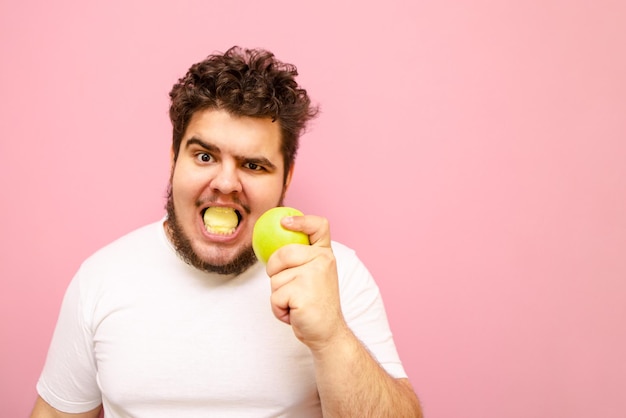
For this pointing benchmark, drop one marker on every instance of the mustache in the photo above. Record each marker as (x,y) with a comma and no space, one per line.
(169,204)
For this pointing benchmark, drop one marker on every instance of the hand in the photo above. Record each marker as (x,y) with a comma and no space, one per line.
(305,289)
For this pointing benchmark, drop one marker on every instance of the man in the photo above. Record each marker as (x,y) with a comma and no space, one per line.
(178,319)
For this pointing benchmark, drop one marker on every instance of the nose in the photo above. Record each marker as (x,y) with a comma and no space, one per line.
(226,179)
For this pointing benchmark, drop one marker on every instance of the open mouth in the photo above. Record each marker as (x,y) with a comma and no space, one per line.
(221,220)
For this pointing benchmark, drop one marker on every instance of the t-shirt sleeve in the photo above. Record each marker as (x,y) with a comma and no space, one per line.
(364,311)
(69,378)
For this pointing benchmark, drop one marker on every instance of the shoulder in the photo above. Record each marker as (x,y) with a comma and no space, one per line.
(353,273)
(342,250)
(347,258)
(124,267)
(143,247)
(131,244)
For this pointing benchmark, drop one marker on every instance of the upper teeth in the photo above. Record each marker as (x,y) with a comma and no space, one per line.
(220,220)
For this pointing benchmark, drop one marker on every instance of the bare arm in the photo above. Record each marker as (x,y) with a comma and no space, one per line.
(352,384)
(305,294)
(43,409)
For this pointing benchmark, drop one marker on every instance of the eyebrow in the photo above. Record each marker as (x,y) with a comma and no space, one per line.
(197,141)
(212,148)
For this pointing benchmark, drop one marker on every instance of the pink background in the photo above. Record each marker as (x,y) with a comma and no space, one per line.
(473,153)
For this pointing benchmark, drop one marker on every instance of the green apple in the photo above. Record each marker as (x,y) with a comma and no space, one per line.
(269,235)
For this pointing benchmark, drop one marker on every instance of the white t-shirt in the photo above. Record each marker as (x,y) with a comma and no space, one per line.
(147,335)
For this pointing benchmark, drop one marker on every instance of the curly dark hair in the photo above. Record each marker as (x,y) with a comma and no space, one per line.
(244,82)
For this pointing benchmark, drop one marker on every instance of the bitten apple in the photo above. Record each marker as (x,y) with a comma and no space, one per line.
(269,235)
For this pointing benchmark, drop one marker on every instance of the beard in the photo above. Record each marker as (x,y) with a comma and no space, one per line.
(242,261)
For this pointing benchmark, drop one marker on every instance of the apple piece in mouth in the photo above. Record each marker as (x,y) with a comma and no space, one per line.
(269,235)
(220,220)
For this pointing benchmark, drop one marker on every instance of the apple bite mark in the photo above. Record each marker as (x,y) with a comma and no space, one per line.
(221,220)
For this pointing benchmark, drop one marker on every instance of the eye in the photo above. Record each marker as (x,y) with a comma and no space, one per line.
(253,166)
(204,157)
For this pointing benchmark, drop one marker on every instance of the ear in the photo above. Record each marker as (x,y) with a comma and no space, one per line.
(289,176)
(172,160)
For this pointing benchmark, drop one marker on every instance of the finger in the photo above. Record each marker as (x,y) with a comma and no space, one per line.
(316,227)
(280,306)
(281,278)
(291,256)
